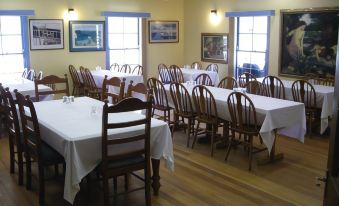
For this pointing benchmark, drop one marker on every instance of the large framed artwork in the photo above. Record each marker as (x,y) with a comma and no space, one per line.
(86,36)
(308,42)
(214,47)
(46,34)
(163,31)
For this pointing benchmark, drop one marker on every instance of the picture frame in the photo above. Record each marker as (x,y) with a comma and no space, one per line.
(214,47)
(46,34)
(308,42)
(86,36)
(163,31)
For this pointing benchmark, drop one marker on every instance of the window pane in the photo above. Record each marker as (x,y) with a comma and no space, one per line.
(243,57)
(116,41)
(115,25)
(245,24)
(131,25)
(259,42)
(11,44)
(131,41)
(117,56)
(245,42)
(258,59)
(132,56)
(11,63)
(10,25)
(260,24)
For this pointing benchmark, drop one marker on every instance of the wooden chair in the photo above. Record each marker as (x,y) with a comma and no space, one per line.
(196,65)
(160,99)
(183,107)
(114,67)
(84,80)
(204,79)
(176,74)
(120,163)
(206,109)
(78,87)
(3,113)
(212,67)
(93,90)
(125,69)
(228,83)
(303,91)
(40,75)
(24,73)
(138,70)
(139,91)
(108,90)
(35,148)
(244,78)
(254,87)
(244,122)
(320,81)
(164,74)
(15,139)
(54,80)
(31,74)
(273,87)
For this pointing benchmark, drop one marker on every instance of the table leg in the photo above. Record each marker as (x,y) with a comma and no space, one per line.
(272,157)
(155,176)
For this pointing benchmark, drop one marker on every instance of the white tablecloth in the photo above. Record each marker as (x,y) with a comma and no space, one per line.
(287,117)
(76,134)
(324,95)
(191,74)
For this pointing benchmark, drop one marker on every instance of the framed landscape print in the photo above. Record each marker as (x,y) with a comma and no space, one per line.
(309,41)
(214,47)
(163,31)
(86,36)
(46,34)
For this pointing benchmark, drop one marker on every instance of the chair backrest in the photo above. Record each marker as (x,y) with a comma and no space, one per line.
(143,138)
(74,75)
(83,76)
(228,83)
(176,74)
(320,81)
(138,70)
(243,114)
(212,67)
(114,67)
(51,80)
(204,104)
(108,89)
(31,74)
(40,75)
(91,85)
(254,87)
(24,73)
(204,79)
(273,87)
(137,91)
(158,92)
(303,91)
(181,99)
(164,74)
(126,68)
(244,78)
(196,65)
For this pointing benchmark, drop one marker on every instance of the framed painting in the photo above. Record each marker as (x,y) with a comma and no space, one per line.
(163,31)
(86,36)
(46,34)
(214,47)
(308,42)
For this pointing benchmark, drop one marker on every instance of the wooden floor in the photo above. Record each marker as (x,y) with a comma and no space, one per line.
(201,180)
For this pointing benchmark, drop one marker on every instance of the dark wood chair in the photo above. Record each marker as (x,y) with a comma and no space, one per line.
(164,74)
(24,73)
(35,148)
(228,83)
(51,80)
(160,99)
(138,70)
(14,137)
(183,108)
(118,164)
(206,109)
(31,74)
(139,91)
(254,87)
(204,79)
(196,65)
(83,79)
(78,87)
(244,122)
(212,67)
(273,87)
(303,91)
(320,81)
(108,89)
(93,90)
(244,78)
(126,68)
(114,67)
(176,74)
(40,75)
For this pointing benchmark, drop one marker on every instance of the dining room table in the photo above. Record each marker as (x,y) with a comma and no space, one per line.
(75,129)
(190,74)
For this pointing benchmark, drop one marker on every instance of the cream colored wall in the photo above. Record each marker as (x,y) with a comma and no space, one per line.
(57,61)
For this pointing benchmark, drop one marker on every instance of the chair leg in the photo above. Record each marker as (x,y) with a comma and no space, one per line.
(229,147)
(115,189)
(147,177)
(250,152)
(20,167)
(212,139)
(126,181)
(11,156)
(188,133)
(195,134)
(106,190)
(28,171)
(41,185)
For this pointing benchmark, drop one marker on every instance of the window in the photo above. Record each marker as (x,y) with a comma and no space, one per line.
(124,40)
(252,45)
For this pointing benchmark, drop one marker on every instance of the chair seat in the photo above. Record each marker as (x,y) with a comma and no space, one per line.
(125,162)
(161,107)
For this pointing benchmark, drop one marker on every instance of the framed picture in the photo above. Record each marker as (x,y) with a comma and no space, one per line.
(214,47)
(308,41)
(163,31)
(86,36)
(46,34)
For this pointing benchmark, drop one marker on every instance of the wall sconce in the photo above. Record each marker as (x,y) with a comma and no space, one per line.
(214,12)
(214,18)
(71,14)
